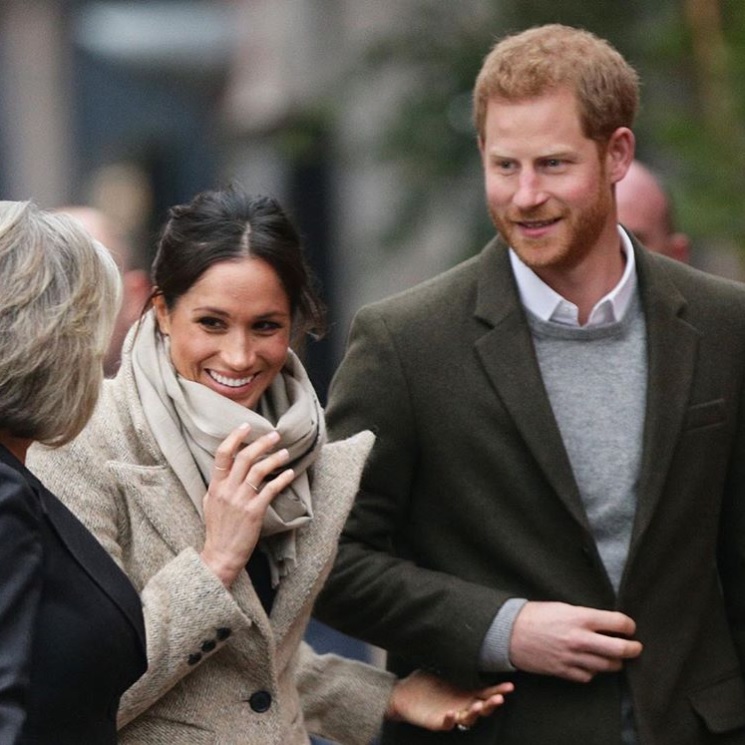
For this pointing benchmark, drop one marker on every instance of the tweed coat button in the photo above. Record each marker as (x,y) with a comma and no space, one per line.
(194,658)
(260,701)
(209,645)
(223,633)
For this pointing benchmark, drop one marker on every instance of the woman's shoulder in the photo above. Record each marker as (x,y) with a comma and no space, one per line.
(351,452)
(338,470)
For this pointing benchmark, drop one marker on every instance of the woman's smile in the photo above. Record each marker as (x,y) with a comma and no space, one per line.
(228,381)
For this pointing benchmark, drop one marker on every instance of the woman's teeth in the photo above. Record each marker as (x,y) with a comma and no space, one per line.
(230,382)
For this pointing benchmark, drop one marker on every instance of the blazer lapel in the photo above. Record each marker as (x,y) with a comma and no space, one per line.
(507,354)
(96,563)
(672,345)
(85,549)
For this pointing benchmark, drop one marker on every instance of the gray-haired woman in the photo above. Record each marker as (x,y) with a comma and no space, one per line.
(71,628)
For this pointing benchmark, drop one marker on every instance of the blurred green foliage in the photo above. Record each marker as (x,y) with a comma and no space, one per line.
(691,58)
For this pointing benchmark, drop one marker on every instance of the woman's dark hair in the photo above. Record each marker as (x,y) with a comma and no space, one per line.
(226,225)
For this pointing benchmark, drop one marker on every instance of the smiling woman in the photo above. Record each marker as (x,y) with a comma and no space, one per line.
(206,474)
(231,330)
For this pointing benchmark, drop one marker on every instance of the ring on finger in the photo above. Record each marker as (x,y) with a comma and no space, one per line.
(257,489)
(461,727)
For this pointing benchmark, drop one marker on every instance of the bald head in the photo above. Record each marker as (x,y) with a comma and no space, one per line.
(103,229)
(644,208)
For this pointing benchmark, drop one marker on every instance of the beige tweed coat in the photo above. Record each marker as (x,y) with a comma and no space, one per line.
(220,671)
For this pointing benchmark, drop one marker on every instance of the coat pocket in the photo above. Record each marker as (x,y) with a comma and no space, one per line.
(705,415)
(722,704)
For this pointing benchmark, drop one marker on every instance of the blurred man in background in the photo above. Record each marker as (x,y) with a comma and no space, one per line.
(135,280)
(644,208)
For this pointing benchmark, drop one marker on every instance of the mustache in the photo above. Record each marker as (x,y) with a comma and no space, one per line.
(537,215)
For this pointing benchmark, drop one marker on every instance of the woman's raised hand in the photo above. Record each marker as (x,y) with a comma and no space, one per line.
(427,701)
(239,494)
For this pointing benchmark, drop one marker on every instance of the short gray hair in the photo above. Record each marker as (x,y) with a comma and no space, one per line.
(59,295)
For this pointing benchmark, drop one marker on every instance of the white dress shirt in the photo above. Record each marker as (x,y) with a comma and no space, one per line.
(545,303)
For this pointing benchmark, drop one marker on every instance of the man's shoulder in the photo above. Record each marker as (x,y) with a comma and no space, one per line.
(698,287)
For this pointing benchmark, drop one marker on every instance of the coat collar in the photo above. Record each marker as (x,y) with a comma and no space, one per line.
(509,361)
(508,357)
(161,496)
(672,344)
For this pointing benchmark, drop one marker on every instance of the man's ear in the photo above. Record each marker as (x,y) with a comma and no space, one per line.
(136,293)
(679,247)
(619,153)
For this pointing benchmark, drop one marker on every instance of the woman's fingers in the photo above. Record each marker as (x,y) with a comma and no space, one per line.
(225,453)
(488,699)
(252,463)
(255,451)
(259,472)
(270,489)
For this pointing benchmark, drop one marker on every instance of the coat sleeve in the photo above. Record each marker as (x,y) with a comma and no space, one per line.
(342,700)
(189,615)
(432,619)
(20,583)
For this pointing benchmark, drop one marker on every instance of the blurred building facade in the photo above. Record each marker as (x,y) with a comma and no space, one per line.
(135,105)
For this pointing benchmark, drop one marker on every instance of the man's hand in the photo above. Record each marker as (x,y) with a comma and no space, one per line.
(570,641)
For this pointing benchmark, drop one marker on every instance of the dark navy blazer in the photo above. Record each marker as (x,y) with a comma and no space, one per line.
(72,636)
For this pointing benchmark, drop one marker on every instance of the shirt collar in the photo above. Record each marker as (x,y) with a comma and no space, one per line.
(544,302)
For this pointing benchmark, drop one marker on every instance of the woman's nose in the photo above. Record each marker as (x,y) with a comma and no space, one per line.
(239,353)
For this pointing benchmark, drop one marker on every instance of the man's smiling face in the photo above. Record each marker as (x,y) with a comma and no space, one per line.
(548,188)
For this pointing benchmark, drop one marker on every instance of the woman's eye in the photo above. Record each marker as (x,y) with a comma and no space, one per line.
(210,323)
(267,326)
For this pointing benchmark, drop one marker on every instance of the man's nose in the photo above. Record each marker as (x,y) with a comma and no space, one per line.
(530,190)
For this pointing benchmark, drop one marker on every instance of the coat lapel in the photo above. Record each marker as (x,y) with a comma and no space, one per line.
(162,498)
(336,477)
(508,357)
(672,345)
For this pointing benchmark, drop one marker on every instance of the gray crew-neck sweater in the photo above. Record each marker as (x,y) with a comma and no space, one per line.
(596,379)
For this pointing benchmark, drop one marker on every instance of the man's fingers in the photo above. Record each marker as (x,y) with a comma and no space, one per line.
(611,622)
(599,644)
(572,642)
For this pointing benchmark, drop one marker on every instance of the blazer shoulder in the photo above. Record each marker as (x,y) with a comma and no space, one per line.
(702,291)
(18,494)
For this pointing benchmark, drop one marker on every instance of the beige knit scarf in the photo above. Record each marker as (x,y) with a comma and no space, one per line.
(189,421)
